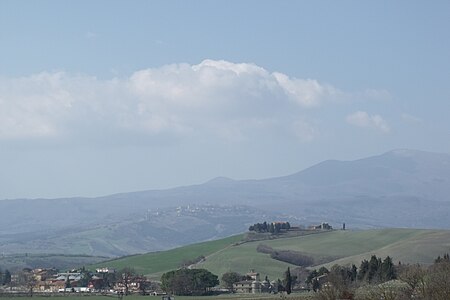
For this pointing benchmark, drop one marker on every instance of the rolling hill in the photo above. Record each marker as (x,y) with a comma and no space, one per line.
(326,248)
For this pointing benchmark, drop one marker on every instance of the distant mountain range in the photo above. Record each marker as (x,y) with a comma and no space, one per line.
(401,188)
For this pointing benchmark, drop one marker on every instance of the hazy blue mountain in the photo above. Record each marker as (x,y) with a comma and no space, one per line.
(401,188)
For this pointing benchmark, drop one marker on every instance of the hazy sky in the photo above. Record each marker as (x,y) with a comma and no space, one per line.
(99,97)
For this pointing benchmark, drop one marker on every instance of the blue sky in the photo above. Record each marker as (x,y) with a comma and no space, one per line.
(98,97)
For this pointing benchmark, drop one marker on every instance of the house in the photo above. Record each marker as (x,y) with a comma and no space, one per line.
(95,283)
(50,285)
(247,287)
(73,276)
(134,285)
(253,285)
(253,275)
(323,226)
(105,270)
(43,274)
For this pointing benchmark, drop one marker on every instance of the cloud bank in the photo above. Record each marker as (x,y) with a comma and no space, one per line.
(215,98)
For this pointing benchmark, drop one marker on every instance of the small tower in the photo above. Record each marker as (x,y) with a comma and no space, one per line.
(256,287)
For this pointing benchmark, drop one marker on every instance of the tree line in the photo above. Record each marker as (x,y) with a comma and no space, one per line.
(273,227)
(290,256)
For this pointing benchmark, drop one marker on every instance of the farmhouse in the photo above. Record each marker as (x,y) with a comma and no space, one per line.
(323,226)
(253,285)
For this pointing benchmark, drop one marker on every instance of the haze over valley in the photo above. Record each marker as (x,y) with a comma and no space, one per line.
(400,188)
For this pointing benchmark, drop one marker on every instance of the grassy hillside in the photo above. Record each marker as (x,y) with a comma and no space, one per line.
(422,246)
(343,247)
(159,262)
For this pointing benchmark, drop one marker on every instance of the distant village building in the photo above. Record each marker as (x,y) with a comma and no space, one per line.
(105,270)
(323,226)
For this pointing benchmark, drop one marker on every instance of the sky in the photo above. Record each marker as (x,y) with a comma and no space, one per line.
(100,97)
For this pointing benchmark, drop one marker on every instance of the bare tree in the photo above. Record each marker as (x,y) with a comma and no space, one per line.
(126,276)
(28,280)
(415,277)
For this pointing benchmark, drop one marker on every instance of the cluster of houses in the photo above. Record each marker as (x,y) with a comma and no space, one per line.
(52,281)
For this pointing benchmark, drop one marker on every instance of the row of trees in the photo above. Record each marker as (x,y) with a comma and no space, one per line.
(290,256)
(270,227)
(374,270)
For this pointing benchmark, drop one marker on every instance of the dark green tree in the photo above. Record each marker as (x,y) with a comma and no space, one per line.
(264,227)
(374,272)
(271,228)
(354,271)
(7,277)
(288,281)
(67,284)
(230,278)
(363,270)
(387,269)
(186,282)
(322,271)
(313,274)
(277,228)
(315,285)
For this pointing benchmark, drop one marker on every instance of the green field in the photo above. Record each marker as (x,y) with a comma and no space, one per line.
(327,248)
(156,263)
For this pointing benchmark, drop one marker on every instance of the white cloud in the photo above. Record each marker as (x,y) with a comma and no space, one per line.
(32,106)
(305,92)
(363,119)
(228,100)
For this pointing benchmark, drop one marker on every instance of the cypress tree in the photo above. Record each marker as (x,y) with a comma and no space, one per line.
(363,270)
(354,273)
(7,277)
(288,281)
(387,269)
